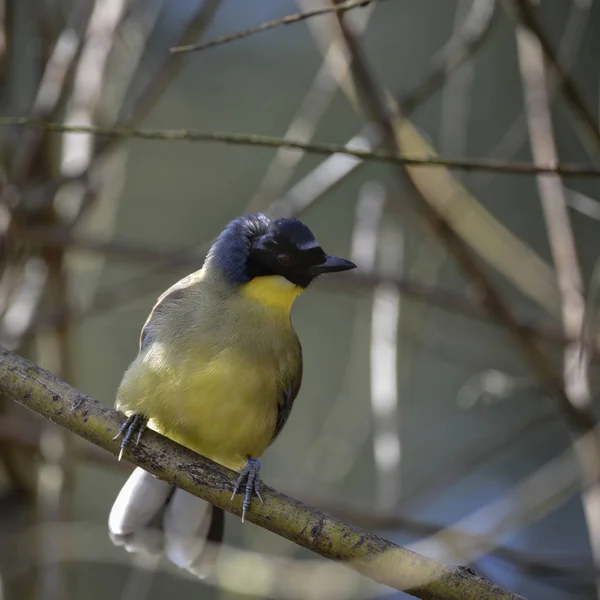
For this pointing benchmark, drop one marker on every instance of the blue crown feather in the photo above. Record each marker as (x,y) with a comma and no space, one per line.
(295,231)
(230,250)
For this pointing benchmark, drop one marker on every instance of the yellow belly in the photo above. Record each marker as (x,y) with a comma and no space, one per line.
(224,408)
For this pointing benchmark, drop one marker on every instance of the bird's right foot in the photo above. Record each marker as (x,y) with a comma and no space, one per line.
(250,475)
(135,424)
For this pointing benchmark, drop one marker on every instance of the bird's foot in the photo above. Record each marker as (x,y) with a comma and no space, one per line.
(134,424)
(250,475)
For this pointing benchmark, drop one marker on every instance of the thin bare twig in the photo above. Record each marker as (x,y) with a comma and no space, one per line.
(191,135)
(287,20)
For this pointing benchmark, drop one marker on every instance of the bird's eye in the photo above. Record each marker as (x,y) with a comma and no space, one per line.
(284,259)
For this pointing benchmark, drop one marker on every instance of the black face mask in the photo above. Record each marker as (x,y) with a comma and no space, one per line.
(275,254)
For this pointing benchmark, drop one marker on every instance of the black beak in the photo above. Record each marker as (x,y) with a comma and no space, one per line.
(333,264)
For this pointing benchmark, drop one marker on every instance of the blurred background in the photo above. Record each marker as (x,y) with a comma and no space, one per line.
(424,416)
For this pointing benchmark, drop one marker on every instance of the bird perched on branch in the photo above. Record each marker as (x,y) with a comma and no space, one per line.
(218,369)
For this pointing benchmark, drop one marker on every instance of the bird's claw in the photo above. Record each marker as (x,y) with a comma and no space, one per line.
(249,474)
(133,424)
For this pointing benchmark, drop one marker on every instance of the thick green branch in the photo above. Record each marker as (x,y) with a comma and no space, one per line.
(368,554)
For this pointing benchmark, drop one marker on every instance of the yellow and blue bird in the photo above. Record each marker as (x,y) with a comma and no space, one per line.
(218,369)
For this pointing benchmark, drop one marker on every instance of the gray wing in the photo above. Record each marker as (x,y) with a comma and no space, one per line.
(175,293)
(286,400)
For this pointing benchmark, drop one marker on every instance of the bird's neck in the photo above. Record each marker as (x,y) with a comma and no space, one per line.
(271,291)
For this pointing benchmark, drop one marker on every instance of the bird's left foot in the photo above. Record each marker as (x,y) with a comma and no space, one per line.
(135,424)
(250,475)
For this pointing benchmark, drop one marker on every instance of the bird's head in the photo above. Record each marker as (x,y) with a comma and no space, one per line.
(289,249)
(254,246)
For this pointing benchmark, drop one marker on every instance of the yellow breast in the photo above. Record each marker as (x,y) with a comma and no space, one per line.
(272,291)
(225,408)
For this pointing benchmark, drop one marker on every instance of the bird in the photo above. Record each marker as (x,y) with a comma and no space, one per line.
(218,370)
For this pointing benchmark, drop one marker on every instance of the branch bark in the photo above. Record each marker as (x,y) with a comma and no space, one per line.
(375,557)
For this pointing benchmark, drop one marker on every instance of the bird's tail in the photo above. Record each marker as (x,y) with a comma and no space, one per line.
(152,517)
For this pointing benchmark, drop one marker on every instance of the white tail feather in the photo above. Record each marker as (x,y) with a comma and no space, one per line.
(139,501)
(150,516)
(185,525)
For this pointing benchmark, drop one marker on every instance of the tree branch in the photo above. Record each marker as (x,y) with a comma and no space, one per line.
(191,135)
(364,552)
(287,20)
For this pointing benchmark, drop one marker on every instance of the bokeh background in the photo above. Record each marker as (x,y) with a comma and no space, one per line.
(420,416)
